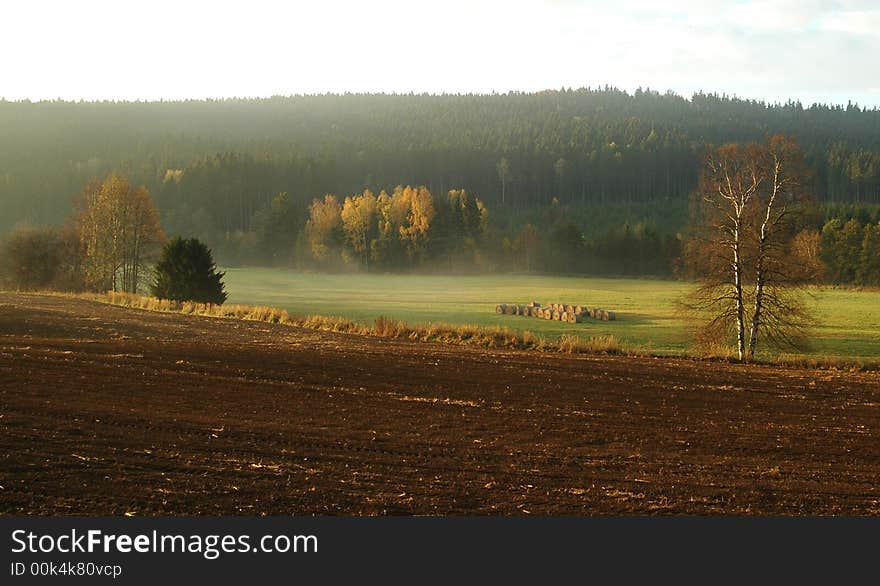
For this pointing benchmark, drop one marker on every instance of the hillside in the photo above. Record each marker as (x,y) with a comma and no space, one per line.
(213,165)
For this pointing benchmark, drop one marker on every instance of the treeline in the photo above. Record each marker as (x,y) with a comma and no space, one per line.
(850,251)
(413,229)
(112,239)
(217,165)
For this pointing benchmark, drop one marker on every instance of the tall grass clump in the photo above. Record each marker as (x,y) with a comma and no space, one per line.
(572,344)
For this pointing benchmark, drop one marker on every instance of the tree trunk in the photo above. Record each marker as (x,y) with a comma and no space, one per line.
(737,284)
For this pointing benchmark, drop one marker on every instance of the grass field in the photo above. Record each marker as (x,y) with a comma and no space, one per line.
(848,325)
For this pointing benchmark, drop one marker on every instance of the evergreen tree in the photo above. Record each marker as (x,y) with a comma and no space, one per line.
(186,272)
(869,261)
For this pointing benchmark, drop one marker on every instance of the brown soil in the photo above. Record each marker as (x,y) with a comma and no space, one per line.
(105,410)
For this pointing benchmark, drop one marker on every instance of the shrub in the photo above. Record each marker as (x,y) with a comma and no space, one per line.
(41,258)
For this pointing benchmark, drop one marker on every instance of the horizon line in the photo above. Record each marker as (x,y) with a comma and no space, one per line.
(732,96)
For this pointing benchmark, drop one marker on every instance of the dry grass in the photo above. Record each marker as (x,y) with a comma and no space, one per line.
(593,345)
(383,327)
(825,362)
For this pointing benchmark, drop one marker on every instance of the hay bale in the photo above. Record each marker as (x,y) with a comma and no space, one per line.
(563,316)
(522,310)
(610,316)
(556,315)
(500,308)
(569,309)
(579,309)
(578,318)
(548,314)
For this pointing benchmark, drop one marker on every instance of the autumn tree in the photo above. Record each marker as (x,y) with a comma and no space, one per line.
(414,232)
(119,232)
(744,251)
(385,248)
(324,228)
(360,224)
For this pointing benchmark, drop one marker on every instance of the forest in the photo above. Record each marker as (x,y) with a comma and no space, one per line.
(587,180)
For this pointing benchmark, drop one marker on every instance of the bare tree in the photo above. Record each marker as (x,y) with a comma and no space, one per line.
(776,276)
(744,252)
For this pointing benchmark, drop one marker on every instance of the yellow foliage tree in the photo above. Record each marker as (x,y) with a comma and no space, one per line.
(119,232)
(420,213)
(324,226)
(359,223)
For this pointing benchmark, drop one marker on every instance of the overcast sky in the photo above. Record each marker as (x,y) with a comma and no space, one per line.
(810,50)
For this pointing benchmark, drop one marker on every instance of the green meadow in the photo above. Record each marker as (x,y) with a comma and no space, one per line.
(848,321)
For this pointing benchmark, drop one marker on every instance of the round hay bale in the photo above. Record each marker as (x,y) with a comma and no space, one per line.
(569,309)
(548,314)
(522,310)
(500,308)
(563,316)
(556,314)
(579,309)
(611,316)
(578,318)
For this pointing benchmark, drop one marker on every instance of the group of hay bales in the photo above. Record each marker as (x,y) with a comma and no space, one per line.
(573,314)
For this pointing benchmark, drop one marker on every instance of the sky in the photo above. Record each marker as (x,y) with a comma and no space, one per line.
(776,50)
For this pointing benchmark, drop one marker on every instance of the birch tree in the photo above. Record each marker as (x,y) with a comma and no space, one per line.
(360,224)
(744,252)
(120,234)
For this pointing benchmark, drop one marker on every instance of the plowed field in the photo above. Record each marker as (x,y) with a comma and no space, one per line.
(105,410)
